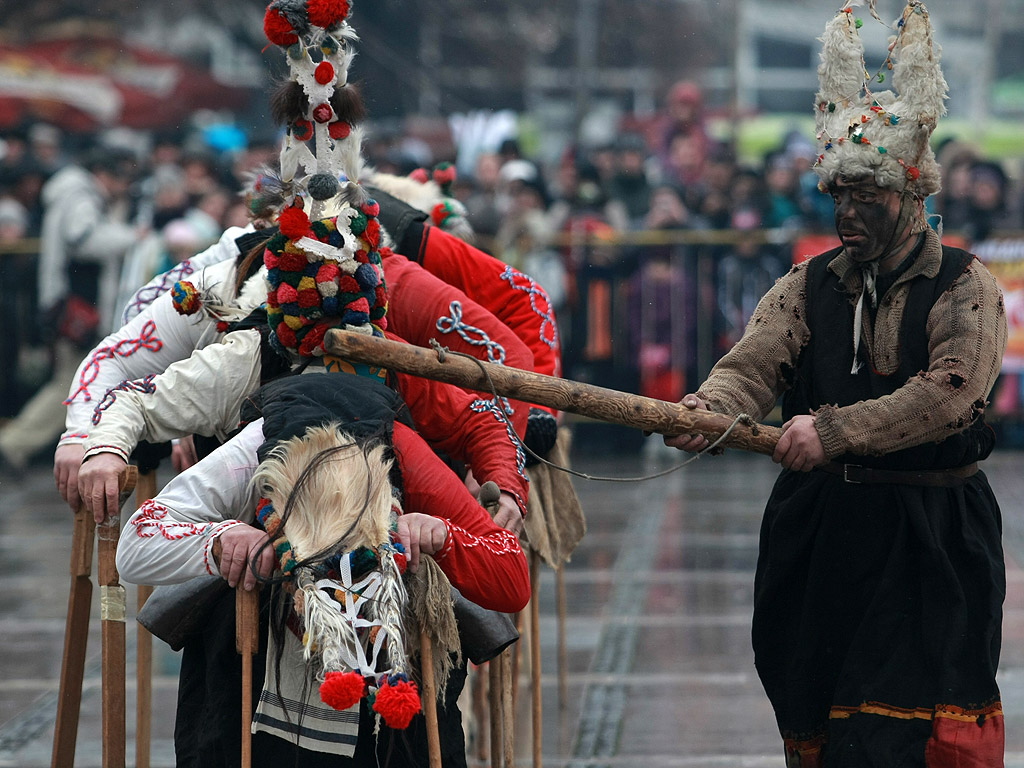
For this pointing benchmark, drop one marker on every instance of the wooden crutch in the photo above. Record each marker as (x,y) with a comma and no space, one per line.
(247,641)
(499,673)
(112,621)
(145,490)
(537,698)
(489,497)
(76,634)
(430,699)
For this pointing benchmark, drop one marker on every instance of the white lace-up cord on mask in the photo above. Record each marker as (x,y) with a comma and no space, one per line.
(869,273)
(332,628)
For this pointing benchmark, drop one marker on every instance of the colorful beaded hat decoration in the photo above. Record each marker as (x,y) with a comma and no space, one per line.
(318,105)
(324,274)
(349,597)
(883,135)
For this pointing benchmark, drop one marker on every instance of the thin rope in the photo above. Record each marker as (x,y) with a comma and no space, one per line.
(742,418)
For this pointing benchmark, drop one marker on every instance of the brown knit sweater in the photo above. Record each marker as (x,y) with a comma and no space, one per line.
(967,337)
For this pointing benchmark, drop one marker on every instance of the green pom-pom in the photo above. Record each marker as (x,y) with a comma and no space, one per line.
(358,224)
(882,150)
(881,77)
(831,106)
(859,23)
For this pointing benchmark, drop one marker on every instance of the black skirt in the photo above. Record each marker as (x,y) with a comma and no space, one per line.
(877,618)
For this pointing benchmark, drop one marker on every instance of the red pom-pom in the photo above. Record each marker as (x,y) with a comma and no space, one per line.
(324,72)
(380,297)
(286,335)
(397,704)
(341,690)
(286,294)
(322,113)
(309,297)
(348,284)
(327,13)
(314,338)
(439,213)
(270,259)
(302,130)
(913,173)
(339,129)
(372,233)
(293,222)
(359,305)
(420,175)
(277,29)
(371,208)
(445,175)
(327,273)
(292,262)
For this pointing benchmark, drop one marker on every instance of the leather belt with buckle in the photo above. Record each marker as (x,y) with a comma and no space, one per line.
(942,478)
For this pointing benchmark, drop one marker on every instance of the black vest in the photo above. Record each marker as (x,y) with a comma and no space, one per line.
(823,369)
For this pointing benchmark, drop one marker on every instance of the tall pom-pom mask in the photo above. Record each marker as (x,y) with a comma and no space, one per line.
(315,37)
(324,274)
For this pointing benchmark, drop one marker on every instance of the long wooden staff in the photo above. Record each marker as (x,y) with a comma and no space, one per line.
(76,634)
(564,394)
(145,489)
(112,620)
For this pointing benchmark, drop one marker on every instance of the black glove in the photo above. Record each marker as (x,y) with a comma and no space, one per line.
(541,434)
(403,222)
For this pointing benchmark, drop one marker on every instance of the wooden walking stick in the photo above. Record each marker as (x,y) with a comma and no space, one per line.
(572,396)
(76,633)
(430,699)
(145,489)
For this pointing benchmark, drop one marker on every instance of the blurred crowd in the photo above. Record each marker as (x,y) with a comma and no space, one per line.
(612,231)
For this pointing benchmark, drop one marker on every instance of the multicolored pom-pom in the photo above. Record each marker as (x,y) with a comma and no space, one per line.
(185,298)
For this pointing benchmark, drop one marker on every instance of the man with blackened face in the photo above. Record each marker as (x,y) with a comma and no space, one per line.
(880,578)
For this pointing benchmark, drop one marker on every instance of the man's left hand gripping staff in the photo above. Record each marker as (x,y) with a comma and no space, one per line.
(799,448)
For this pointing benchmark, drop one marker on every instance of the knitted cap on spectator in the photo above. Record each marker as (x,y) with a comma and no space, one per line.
(883,135)
(324,274)
(317,104)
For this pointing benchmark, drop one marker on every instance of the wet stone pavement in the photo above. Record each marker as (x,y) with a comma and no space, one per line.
(659,670)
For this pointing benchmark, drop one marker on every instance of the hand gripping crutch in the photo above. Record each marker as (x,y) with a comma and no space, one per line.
(76,635)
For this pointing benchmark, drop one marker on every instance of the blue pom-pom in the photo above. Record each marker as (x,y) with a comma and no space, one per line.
(366,277)
(351,317)
(331,306)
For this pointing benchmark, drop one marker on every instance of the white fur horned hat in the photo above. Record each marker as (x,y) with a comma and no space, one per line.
(885,135)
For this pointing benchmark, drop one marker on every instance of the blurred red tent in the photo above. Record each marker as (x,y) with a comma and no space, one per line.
(87,83)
